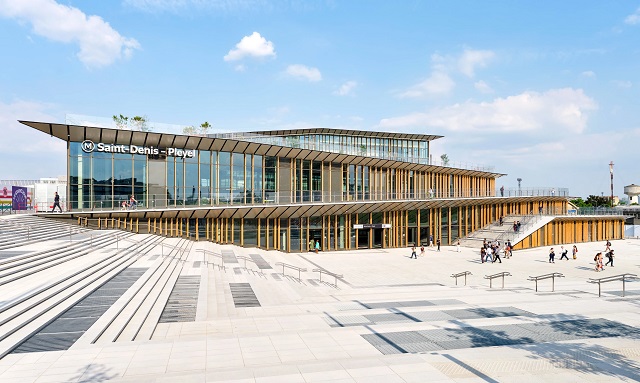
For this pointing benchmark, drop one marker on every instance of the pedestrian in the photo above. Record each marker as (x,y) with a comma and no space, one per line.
(552,256)
(430,240)
(413,253)
(496,255)
(540,209)
(610,258)
(507,251)
(488,257)
(133,204)
(563,253)
(311,244)
(575,252)
(317,246)
(483,254)
(607,246)
(438,243)
(500,220)
(484,243)
(598,260)
(458,246)
(56,202)
(422,251)
(515,227)
(502,191)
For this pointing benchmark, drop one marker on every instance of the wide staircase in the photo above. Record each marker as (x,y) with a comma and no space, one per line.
(505,232)
(83,287)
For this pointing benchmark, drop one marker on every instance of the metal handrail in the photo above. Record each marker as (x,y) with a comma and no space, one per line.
(619,277)
(498,275)
(553,277)
(245,259)
(464,273)
(336,276)
(207,252)
(300,269)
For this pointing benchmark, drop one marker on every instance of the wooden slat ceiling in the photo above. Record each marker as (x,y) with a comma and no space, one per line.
(127,137)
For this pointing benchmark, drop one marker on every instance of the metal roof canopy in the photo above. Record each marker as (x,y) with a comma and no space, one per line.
(76,133)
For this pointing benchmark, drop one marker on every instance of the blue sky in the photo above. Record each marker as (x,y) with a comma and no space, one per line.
(542,90)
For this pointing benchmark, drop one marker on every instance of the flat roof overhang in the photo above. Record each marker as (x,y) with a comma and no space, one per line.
(77,133)
(297,210)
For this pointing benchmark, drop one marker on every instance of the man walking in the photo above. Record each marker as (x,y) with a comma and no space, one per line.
(552,256)
(430,240)
(438,243)
(56,202)
(413,253)
(563,253)
(496,254)
(609,256)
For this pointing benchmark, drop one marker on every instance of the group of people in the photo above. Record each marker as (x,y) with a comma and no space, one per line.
(608,252)
(563,254)
(414,252)
(129,205)
(490,251)
(516,226)
(314,245)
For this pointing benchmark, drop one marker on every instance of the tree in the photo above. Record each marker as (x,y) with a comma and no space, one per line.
(445,159)
(140,123)
(122,122)
(204,128)
(596,201)
(579,202)
(189,130)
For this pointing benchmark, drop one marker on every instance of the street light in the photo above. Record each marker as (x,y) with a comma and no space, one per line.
(611,171)
(519,190)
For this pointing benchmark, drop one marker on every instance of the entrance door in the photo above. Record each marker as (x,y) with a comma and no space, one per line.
(363,238)
(413,235)
(378,235)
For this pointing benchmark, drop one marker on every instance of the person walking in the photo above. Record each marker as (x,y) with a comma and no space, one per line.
(552,256)
(317,246)
(133,203)
(422,251)
(563,253)
(311,244)
(607,246)
(609,258)
(483,254)
(496,254)
(430,240)
(488,256)
(438,243)
(575,252)
(502,191)
(56,202)
(598,260)
(413,253)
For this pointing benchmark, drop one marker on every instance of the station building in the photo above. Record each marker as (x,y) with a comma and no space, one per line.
(282,189)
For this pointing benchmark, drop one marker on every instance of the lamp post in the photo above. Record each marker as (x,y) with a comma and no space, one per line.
(519,189)
(611,171)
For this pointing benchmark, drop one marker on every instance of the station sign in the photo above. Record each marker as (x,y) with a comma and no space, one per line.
(373,226)
(89,146)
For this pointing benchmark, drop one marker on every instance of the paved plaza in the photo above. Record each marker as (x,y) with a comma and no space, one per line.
(233,316)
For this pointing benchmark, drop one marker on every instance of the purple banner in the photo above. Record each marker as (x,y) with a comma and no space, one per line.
(19,198)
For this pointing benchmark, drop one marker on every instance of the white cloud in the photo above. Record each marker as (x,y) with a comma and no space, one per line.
(303,72)
(633,18)
(588,73)
(100,44)
(483,87)
(253,45)
(554,110)
(623,84)
(439,83)
(471,59)
(346,89)
(32,154)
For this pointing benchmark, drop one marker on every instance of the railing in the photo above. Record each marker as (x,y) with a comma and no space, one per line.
(498,275)
(219,256)
(260,198)
(533,192)
(462,274)
(336,276)
(178,249)
(553,277)
(299,269)
(620,277)
(245,259)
